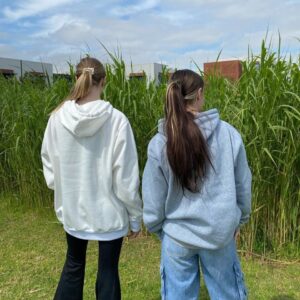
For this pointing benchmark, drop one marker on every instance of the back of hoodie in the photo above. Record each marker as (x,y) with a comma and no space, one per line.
(209,218)
(90,160)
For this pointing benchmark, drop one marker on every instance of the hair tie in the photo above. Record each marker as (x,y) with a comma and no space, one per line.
(90,70)
(176,82)
(191,96)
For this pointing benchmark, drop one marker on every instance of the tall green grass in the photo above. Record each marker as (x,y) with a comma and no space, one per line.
(24,110)
(264,105)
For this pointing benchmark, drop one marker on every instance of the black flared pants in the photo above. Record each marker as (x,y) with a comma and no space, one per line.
(70,286)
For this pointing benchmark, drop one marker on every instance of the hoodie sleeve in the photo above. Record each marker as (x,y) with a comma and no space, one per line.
(155,189)
(126,175)
(243,179)
(46,160)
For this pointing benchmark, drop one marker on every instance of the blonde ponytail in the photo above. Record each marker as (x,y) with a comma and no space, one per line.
(89,72)
(83,84)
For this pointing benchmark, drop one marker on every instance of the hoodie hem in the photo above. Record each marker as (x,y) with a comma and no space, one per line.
(97,236)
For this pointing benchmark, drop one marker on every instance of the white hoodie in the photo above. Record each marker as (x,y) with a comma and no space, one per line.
(90,161)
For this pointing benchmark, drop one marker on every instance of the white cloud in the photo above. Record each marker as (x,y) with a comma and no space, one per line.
(32,7)
(62,23)
(174,31)
(134,9)
(75,32)
(11,52)
(176,17)
(198,3)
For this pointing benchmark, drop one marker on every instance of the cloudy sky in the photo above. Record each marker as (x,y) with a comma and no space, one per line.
(174,32)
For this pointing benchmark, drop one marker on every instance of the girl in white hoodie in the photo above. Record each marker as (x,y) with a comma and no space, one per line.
(90,161)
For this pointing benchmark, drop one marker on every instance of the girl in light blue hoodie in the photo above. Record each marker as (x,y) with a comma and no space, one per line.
(197,193)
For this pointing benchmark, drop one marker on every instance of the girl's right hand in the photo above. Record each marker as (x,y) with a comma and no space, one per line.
(236,234)
(133,235)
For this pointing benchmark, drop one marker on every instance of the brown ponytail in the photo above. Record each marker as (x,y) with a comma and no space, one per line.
(89,72)
(187,150)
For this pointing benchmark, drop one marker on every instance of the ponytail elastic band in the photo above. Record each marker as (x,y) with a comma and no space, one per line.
(190,96)
(175,83)
(90,70)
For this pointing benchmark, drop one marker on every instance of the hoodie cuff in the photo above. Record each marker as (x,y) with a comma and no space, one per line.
(243,221)
(135,226)
(160,234)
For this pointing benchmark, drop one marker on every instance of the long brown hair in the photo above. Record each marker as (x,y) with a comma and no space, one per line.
(187,150)
(89,71)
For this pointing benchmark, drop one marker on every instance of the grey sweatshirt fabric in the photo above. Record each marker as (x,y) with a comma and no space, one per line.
(209,218)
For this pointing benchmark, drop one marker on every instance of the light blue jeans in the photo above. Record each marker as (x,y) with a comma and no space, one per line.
(180,272)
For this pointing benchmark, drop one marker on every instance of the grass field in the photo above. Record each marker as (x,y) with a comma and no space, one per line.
(32,251)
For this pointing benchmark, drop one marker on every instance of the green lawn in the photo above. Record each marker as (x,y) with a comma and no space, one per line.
(32,251)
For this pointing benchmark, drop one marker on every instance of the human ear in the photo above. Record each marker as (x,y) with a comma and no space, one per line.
(200,94)
(102,82)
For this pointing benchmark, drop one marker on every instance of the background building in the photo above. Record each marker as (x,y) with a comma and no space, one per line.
(152,71)
(231,69)
(24,68)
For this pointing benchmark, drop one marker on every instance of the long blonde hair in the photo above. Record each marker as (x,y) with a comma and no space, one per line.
(89,72)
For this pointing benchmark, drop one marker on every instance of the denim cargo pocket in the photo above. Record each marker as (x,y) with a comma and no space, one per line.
(163,284)
(242,290)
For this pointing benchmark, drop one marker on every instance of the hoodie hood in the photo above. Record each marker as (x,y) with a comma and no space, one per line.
(84,120)
(207,121)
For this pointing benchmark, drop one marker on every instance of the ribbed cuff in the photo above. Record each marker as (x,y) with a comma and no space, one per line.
(135,226)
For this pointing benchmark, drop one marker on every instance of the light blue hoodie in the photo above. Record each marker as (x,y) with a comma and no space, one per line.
(209,218)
